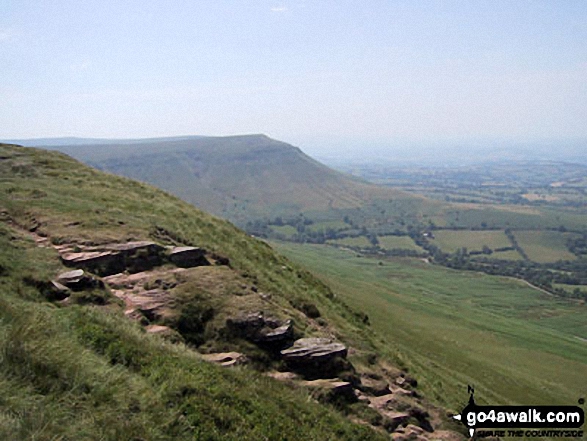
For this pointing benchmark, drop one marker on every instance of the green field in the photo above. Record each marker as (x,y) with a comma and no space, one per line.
(335,225)
(544,246)
(505,255)
(286,230)
(451,328)
(398,242)
(450,241)
(571,287)
(360,242)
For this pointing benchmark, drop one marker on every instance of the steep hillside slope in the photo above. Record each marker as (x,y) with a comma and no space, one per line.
(124,345)
(239,178)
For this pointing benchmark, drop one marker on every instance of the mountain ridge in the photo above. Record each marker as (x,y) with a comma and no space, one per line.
(239,177)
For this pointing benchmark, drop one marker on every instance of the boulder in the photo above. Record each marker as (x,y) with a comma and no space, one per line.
(99,262)
(115,258)
(279,334)
(76,280)
(137,256)
(332,390)
(314,349)
(187,257)
(246,326)
(382,402)
(410,433)
(374,387)
(70,276)
(317,357)
(57,291)
(392,420)
(261,330)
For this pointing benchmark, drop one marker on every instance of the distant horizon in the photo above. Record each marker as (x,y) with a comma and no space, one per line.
(316,74)
(400,151)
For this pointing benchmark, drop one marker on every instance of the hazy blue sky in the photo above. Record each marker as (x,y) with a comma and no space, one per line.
(299,71)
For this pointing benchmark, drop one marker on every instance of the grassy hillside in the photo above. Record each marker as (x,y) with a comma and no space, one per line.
(252,180)
(515,343)
(273,190)
(239,178)
(82,370)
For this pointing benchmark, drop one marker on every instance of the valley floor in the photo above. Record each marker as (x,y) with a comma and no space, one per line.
(452,328)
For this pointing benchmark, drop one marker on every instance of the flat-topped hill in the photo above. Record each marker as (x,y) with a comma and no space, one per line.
(237,177)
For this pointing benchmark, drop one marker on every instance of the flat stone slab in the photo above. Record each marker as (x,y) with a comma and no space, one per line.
(226,358)
(157,329)
(131,246)
(329,384)
(397,417)
(115,258)
(76,280)
(70,276)
(332,390)
(316,357)
(84,256)
(314,349)
(382,402)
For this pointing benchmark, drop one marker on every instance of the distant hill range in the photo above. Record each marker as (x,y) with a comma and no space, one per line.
(237,177)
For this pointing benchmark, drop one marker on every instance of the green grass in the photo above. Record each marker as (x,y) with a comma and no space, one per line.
(286,230)
(452,328)
(87,372)
(450,241)
(544,246)
(398,242)
(240,178)
(506,216)
(505,255)
(582,288)
(336,225)
(359,242)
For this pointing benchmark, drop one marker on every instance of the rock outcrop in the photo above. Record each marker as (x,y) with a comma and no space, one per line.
(187,257)
(332,390)
(115,258)
(77,280)
(262,330)
(317,357)
(133,257)
(374,387)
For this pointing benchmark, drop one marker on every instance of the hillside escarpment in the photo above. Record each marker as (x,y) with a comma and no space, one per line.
(158,321)
(240,178)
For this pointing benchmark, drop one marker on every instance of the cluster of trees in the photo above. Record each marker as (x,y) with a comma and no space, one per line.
(545,276)
(515,244)
(578,245)
(303,234)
